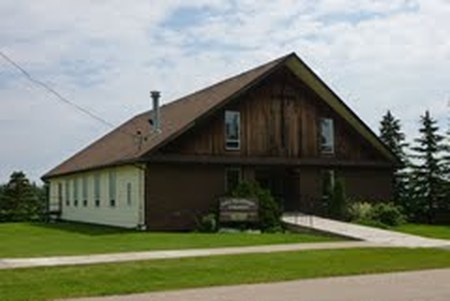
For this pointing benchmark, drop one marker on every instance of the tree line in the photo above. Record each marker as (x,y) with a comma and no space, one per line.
(421,183)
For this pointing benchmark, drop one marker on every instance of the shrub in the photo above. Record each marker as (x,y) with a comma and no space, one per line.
(379,215)
(336,201)
(269,209)
(373,223)
(388,214)
(360,211)
(207,223)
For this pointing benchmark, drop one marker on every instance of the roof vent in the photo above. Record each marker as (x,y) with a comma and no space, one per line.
(155,120)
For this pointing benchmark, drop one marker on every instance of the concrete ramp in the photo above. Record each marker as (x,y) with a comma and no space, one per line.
(360,232)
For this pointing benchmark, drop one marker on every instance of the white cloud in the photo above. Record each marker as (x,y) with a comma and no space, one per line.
(107,55)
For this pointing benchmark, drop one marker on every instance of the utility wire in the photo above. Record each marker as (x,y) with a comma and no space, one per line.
(60,97)
(139,137)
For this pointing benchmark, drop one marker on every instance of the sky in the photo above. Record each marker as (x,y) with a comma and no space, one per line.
(107,55)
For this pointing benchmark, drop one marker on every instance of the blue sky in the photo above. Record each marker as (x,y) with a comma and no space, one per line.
(107,55)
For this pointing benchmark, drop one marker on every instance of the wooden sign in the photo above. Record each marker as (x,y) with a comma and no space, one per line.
(238,210)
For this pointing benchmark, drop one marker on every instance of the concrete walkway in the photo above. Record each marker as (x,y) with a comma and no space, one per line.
(365,233)
(431,285)
(14,263)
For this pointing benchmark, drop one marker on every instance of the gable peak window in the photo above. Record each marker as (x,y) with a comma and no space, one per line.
(326,136)
(232,130)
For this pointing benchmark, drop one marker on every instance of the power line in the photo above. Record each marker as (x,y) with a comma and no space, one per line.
(52,91)
(140,138)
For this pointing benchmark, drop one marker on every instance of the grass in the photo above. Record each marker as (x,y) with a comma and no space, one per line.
(146,276)
(32,240)
(432,231)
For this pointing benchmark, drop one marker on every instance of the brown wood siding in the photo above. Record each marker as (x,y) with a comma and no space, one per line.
(279,118)
(367,184)
(360,184)
(178,194)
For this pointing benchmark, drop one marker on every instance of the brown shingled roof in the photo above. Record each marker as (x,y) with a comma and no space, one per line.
(122,145)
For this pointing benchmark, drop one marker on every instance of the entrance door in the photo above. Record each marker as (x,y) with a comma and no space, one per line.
(293,201)
(283,184)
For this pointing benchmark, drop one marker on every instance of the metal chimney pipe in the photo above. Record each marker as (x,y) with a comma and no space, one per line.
(156,121)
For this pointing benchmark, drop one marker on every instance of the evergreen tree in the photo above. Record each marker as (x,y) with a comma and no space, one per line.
(392,135)
(338,205)
(2,211)
(446,170)
(20,200)
(427,176)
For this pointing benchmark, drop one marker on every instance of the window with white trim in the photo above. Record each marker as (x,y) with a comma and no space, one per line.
(60,194)
(326,136)
(75,192)
(232,130)
(112,188)
(67,192)
(97,190)
(129,194)
(84,188)
(328,183)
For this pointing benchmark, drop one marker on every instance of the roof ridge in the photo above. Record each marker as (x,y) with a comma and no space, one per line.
(223,81)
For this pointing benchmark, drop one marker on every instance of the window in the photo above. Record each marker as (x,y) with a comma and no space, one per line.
(129,194)
(67,191)
(232,178)
(112,188)
(326,136)
(60,194)
(328,183)
(232,130)
(75,192)
(97,190)
(84,184)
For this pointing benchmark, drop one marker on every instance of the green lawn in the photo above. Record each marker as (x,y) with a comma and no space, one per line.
(31,240)
(433,231)
(146,276)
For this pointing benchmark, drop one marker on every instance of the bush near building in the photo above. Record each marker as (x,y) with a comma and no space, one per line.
(269,210)
(380,214)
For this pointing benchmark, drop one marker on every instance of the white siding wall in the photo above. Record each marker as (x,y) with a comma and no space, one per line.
(123,214)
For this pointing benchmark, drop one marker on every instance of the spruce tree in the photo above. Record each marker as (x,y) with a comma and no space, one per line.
(19,200)
(2,210)
(446,170)
(393,137)
(427,176)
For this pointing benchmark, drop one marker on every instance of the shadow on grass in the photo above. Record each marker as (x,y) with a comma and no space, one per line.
(82,228)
